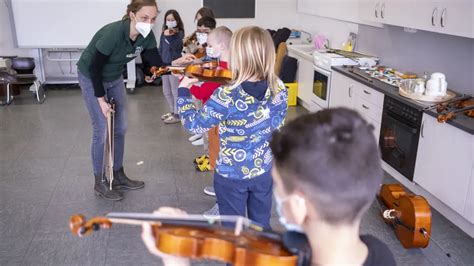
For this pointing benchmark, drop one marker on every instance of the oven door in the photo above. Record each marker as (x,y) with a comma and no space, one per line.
(399,143)
(321,86)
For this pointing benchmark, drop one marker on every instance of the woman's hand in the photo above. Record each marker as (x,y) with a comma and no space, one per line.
(104,106)
(150,241)
(184,60)
(186,82)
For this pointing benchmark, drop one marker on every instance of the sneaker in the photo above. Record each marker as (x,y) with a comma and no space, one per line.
(198,142)
(204,167)
(163,117)
(200,159)
(195,137)
(209,191)
(172,120)
(212,212)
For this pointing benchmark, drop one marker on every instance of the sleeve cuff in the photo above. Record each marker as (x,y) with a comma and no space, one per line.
(183,92)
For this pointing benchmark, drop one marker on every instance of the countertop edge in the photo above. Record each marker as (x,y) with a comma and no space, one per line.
(379,86)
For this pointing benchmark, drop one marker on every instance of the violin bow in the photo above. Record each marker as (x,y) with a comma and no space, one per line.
(108,159)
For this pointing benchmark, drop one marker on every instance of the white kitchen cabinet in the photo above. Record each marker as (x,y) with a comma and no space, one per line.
(387,11)
(346,92)
(305,83)
(469,209)
(454,17)
(444,162)
(342,91)
(346,10)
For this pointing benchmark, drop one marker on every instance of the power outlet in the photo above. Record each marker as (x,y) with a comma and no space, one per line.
(410,30)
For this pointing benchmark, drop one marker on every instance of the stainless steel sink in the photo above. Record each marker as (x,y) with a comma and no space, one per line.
(301,51)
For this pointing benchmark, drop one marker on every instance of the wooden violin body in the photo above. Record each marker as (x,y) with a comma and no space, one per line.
(205,71)
(465,105)
(248,247)
(209,71)
(410,215)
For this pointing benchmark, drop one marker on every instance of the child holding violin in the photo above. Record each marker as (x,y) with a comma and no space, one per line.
(196,45)
(217,48)
(325,179)
(171,45)
(247,111)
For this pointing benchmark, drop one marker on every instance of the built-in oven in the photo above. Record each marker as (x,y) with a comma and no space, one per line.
(399,135)
(321,86)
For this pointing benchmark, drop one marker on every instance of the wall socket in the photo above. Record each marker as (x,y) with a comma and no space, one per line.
(409,30)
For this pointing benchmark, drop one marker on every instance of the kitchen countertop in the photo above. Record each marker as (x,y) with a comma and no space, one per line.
(461,121)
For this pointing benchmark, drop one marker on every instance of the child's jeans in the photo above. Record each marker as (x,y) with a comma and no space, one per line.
(235,196)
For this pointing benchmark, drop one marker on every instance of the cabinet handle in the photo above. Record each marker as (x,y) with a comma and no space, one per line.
(422,133)
(442,17)
(365,106)
(382,10)
(350,91)
(376,11)
(367,92)
(435,11)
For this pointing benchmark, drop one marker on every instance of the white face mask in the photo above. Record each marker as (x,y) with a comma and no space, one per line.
(201,38)
(143,28)
(171,24)
(211,53)
(289,226)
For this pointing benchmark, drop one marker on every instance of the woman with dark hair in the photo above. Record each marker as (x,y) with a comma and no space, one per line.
(171,45)
(100,78)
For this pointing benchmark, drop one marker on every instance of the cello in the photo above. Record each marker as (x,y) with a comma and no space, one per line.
(196,237)
(409,215)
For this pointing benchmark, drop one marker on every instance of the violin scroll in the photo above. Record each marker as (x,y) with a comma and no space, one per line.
(80,227)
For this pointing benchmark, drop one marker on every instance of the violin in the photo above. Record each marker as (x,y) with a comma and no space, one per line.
(409,215)
(190,45)
(441,107)
(469,111)
(195,237)
(158,71)
(204,71)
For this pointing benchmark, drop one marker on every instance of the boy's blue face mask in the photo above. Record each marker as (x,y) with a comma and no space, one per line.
(279,206)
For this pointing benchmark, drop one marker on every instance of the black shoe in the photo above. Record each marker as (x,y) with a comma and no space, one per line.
(102,188)
(122,181)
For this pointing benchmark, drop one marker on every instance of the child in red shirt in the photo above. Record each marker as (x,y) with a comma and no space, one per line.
(217,48)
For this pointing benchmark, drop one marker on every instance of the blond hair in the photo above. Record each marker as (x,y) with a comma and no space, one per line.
(222,35)
(136,5)
(252,55)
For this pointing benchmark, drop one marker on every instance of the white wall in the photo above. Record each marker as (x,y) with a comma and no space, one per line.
(336,31)
(268,14)
(6,36)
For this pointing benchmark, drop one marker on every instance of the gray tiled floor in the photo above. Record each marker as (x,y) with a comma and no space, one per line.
(45,177)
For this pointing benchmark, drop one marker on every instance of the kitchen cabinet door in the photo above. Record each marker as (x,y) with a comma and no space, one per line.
(399,13)
(342,91)
(305,80)
(444,162)
(454,17)
(469,209)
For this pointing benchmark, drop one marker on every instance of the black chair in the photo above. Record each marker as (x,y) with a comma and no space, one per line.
(20,72)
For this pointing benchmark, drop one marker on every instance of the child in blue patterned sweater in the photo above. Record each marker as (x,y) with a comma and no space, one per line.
(247,112)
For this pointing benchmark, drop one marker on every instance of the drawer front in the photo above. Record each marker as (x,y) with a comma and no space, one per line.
(368,110)
(370,95)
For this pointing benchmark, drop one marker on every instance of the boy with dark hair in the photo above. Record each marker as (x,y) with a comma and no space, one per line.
(326,173)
